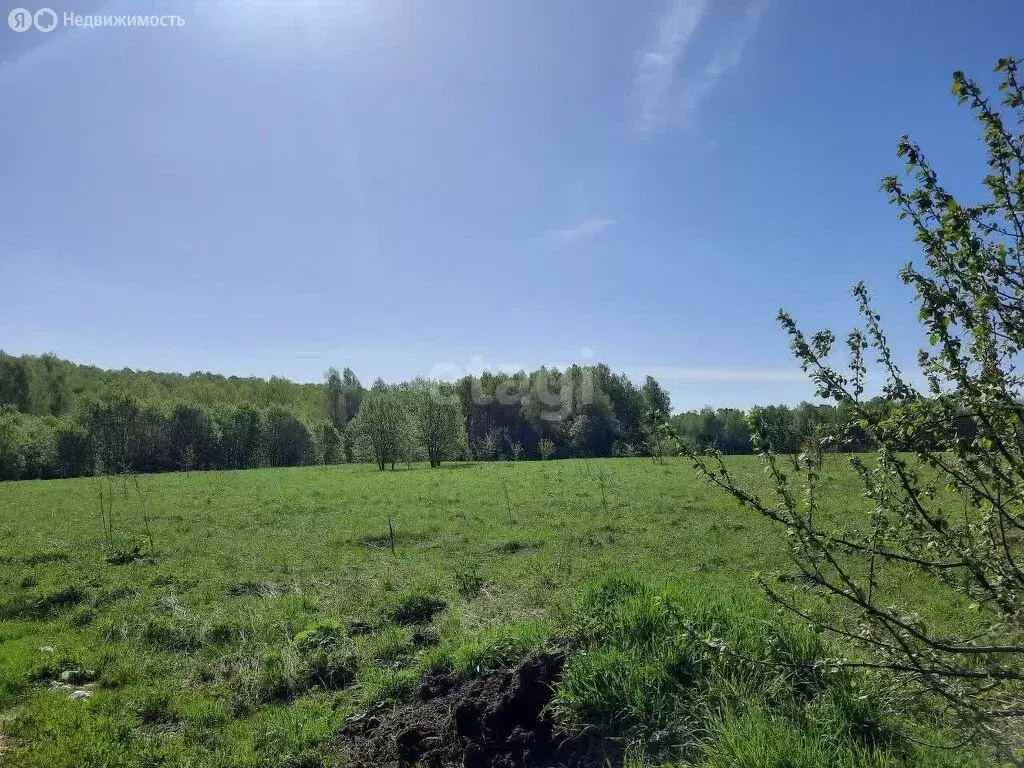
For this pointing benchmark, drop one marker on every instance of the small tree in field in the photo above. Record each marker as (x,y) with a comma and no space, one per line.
(545,449)
(946,484)
(487,449)
(382,427)
(332,447)
(441,425)
(334,400)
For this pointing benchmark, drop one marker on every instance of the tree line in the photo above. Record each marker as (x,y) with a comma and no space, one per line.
(787,430)
(60,419)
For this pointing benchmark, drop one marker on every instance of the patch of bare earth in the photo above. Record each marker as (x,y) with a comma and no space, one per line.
(494,721)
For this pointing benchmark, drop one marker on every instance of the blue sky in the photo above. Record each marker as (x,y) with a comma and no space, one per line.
(432,187)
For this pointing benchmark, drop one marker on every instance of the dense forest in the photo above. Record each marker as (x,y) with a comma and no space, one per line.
(60,419)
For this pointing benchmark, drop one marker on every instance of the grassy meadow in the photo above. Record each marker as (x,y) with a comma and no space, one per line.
(272,607)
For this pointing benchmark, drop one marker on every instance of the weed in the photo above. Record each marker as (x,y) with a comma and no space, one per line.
(469,583)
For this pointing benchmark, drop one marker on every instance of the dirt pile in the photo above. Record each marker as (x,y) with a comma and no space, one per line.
(494,721)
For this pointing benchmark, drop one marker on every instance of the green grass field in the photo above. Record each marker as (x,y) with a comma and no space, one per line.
(273,608)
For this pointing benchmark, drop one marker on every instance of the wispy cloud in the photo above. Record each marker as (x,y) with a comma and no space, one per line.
(656,66)
(658,70)
(729,55)
(683,373)
(586,228)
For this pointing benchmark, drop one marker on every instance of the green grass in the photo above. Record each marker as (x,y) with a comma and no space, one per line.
(273,607)
(679,674)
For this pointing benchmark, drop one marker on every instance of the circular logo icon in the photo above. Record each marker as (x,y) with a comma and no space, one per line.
(20,20)
(45,20)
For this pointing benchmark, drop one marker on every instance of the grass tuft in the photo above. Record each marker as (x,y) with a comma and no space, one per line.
(416,608)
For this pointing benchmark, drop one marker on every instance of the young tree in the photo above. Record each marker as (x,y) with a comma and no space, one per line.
(334,397)
(948,502)
(382,426)
(655,396)
(545,449)
(441,425)
(353,392)
(488,448)
(657,410)
(331,447)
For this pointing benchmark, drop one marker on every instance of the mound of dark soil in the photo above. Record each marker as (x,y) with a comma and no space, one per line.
(494,721)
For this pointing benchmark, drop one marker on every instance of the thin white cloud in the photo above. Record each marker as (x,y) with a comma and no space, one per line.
(656,66)
(683,373)
(586,228)
(661,99)
(699,87)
